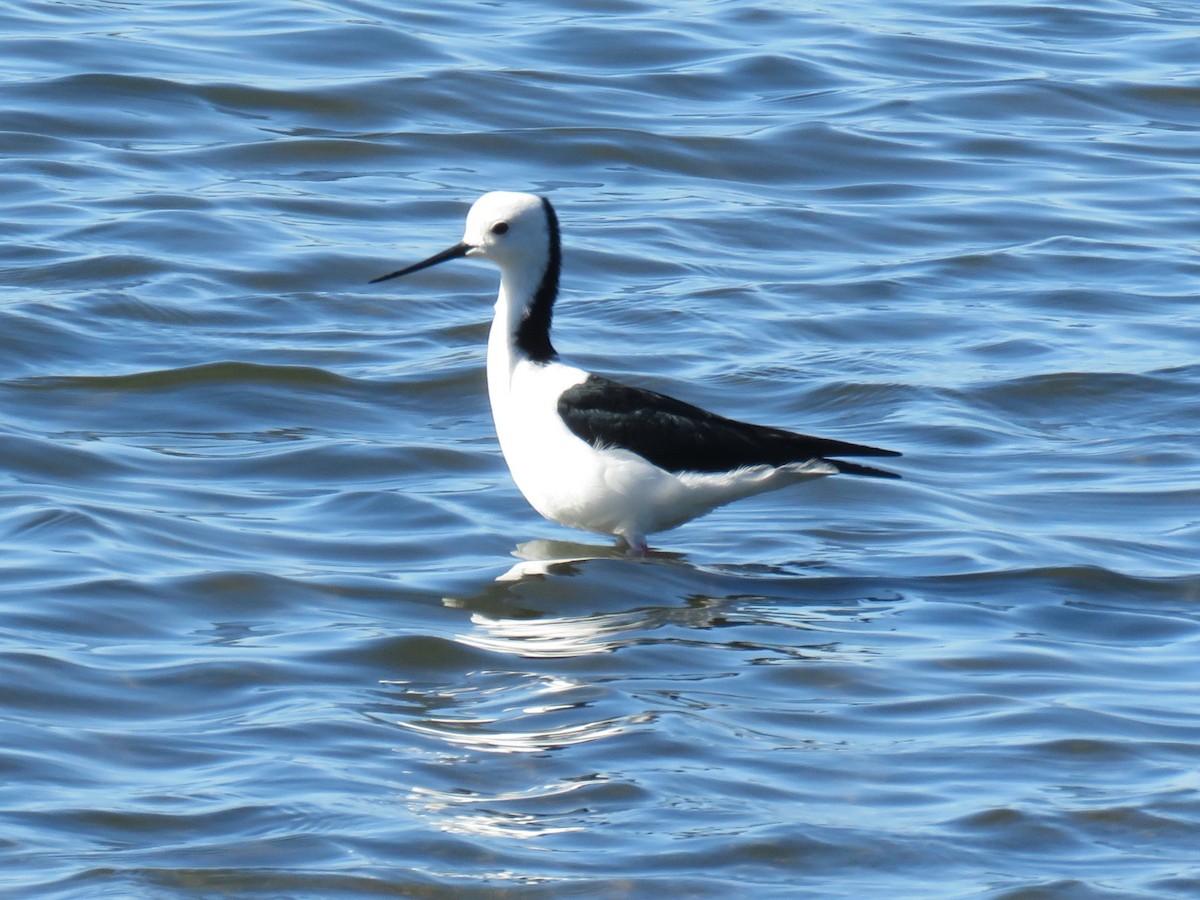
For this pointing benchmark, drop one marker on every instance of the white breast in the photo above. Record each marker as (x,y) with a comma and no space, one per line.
(561,476)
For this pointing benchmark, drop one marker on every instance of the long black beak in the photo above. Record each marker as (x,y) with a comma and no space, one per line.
(459,249)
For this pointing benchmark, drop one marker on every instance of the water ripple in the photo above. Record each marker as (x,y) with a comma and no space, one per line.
(261,631)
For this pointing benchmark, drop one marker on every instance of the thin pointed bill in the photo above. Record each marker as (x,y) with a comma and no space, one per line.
(458,250)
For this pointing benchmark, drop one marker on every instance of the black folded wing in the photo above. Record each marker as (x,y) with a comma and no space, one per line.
(679,437)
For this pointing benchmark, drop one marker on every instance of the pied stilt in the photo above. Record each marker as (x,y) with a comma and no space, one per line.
(594,454)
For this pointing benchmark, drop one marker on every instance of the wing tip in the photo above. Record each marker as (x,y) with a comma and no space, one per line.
(849,468)
(863,450)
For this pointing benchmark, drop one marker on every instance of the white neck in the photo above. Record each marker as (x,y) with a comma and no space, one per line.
(503,355)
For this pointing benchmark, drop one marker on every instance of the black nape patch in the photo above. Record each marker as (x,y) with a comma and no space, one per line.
(533,334)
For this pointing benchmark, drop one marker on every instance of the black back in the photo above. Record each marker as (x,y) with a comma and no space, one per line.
(679,437)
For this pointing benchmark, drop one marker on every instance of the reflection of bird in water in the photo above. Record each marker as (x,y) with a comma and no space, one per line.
(594,454)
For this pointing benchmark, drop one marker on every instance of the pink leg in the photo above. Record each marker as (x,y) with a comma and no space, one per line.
(637,543)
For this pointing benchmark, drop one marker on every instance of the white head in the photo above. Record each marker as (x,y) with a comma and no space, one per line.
(509,229)
(515,231)
(519,233)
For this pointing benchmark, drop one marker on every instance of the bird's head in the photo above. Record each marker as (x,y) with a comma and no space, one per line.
(510,229)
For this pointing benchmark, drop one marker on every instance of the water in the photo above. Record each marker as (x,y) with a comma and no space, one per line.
(274,621)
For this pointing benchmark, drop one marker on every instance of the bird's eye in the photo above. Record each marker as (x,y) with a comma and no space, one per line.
(500,228)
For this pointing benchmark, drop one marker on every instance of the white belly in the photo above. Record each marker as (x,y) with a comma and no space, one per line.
(608,491)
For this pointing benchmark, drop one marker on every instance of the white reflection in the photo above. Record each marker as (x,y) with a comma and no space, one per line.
(507,618)
(465,734)
(494,815)
(557,637)
(543,557)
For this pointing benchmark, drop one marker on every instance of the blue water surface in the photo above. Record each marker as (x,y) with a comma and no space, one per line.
(274,622)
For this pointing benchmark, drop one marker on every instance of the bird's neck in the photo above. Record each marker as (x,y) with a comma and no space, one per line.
(507,340)
(524,310)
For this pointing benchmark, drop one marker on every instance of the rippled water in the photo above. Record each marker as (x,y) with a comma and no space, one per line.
(262,631)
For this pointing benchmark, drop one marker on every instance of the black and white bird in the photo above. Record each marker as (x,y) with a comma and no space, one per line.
(594,454)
